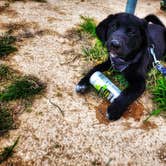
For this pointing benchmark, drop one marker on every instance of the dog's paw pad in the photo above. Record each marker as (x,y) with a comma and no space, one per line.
(81,88)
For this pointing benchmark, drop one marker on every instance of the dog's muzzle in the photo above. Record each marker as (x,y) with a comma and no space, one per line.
(118,63)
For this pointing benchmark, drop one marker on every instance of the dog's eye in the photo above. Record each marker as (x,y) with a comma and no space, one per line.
(114,27)
(131,32)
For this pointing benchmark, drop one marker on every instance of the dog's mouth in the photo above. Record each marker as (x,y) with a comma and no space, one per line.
(113,55)
(117,62)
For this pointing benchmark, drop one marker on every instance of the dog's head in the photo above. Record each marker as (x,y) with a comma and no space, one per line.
(123,34)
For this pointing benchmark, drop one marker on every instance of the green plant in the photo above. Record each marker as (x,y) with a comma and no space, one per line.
(96,52)
(117,78)
(163,5)
(153,113)
(159,93)
(88,25)
(157,86)
(153,76)
(5,40)
(6,120)
(8,151)
(4,71)
(5,45)
(22,88)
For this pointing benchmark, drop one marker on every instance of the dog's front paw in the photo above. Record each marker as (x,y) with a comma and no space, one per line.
(82,86)
(114,112)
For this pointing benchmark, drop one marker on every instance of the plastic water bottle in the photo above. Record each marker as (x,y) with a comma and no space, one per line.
(104,86)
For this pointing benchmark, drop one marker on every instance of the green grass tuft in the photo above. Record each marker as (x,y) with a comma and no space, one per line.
(22,88)
(159,93)
(8,151)
(88,25)
(96,52)
(156,84)
(6,40)
(117,78)
(6,120)
(4,71)
(5,45)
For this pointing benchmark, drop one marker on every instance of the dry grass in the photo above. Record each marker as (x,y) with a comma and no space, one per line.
(162,153)
(42,1)
(77,138)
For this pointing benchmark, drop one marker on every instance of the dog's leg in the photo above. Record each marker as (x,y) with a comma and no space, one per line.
(83,85)
(131,93)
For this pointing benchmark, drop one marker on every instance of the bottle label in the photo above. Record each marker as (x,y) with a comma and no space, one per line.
(104,86)
(103,91)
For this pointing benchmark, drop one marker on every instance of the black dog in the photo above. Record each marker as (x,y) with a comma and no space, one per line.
(128,39)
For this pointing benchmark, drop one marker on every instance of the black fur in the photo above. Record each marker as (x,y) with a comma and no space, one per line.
(128,37)
(153,19)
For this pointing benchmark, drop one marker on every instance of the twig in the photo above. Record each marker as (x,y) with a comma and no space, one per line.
(65,63)
(55,105)
(61,111)
(109,161)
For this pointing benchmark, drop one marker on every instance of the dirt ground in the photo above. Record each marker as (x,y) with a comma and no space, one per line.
(47,138)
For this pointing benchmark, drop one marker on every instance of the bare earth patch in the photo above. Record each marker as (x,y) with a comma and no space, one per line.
(53,54)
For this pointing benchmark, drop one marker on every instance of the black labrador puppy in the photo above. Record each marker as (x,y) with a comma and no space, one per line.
(128,39)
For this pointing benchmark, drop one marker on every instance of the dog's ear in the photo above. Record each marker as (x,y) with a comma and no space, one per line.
(144,31)
(101,29)
(144,23)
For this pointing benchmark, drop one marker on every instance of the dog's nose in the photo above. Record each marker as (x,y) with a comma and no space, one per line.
(115,43)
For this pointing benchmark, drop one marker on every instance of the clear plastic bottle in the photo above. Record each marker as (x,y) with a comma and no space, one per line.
(104,86)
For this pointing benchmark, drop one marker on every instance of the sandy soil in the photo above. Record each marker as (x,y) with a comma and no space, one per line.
(77,138)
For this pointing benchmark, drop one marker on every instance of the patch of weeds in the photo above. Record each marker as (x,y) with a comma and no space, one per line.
(8,151)
(6,45)
(159,93)
(117,78)
(96,52)
(163,5)
(16,94)
(4,71)
(22,88)
(7,75)
(88,25)
(157,86)
(6,40)
(6,120)
(152,78)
